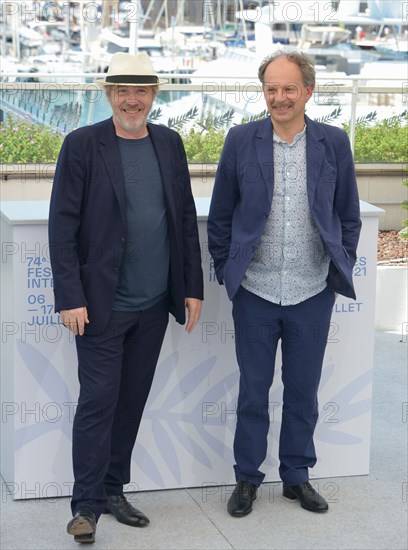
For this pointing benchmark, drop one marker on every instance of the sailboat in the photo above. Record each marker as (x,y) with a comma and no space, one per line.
(322,29)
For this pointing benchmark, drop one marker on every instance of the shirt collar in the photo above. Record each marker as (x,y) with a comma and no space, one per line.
(297,137)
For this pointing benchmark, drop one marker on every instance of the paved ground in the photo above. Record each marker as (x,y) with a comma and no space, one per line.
(366,512)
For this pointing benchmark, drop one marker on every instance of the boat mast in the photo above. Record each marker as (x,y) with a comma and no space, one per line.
(134,27)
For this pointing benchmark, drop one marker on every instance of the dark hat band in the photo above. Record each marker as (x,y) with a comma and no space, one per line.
(132,79)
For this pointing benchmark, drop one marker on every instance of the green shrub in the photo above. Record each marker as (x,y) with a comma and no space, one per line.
(203,146)
(24,142)
(385,141)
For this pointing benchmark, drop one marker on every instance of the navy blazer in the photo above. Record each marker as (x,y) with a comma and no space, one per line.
(243,192)
(87,222)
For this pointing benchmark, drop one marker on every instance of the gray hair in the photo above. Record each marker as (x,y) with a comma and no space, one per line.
(303,61)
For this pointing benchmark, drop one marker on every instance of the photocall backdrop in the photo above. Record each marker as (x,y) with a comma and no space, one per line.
(186,435)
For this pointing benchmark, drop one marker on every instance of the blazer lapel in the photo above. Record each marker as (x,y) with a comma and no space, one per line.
(314,157)
(109,149)
(264,151)
(165,165)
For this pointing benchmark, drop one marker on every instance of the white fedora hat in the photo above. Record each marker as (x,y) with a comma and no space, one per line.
(131,70)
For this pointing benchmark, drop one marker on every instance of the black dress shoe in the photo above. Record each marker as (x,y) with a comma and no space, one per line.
(309,499)
(240,502)
(83,526)
(125,512)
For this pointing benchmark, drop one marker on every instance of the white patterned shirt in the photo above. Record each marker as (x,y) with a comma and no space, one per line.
(290,264)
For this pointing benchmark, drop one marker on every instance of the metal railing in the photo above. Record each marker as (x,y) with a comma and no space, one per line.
(326,88)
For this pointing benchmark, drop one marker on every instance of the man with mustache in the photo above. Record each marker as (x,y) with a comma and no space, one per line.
(124,252)
(283,229)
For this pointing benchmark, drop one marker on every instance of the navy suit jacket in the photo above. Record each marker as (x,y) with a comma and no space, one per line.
(87,222)
(243,193)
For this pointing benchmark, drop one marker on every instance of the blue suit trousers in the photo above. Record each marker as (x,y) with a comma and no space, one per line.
(303,330)
(116,370)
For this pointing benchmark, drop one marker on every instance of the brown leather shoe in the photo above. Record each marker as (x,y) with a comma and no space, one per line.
(124,512)
(309,498)
(83,526)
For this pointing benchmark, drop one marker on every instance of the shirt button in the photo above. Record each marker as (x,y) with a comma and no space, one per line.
(287,198)
(122,239)
(288,223)
(116,269)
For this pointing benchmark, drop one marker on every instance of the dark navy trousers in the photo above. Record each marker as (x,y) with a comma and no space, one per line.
(116,370)
(303,329)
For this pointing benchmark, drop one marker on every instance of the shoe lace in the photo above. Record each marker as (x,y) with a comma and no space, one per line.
(244,489)
(124,504)
(313,494)
(309,488)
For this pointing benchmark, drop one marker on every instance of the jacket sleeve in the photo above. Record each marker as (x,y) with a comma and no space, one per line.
(63,226)
(224,199)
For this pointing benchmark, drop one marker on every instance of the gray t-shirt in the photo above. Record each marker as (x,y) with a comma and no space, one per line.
(145,268)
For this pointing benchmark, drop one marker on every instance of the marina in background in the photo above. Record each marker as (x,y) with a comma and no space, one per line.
(206,43)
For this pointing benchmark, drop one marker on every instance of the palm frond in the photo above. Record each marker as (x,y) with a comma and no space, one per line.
(253,118)
(155,114)
(180,121)
(366,119)
(217,122)
(403,115)
(330,117)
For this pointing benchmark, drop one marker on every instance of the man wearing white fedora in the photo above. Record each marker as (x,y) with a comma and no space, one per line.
(125,253)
